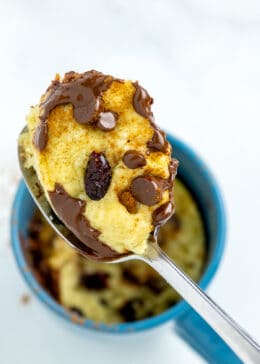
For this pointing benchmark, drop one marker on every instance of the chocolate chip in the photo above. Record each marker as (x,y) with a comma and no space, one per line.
(158,141)
(107,120)
(129,309)
(146,190)
(129,276)
(134,159)
(103,302)
(128,200)
(163,213)
(97,176)
(96,281)
(156,284)
(35,228)
(142,101)
(149,314)
(171,302)
(36,256)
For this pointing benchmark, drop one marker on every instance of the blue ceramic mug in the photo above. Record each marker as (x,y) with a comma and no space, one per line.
(188,324)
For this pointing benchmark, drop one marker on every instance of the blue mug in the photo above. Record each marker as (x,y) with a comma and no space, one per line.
(188,324)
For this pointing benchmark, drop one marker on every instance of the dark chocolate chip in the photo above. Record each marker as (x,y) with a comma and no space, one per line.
(134,159)
(149,314)
(97,176)
(129,309)
(129,276)
(146,190)
(35,228)
(107,120)
(96,281)
(37,258)
(158,142)
(163,213)
(103,302)
(156,284)
(171,302)
(142,101)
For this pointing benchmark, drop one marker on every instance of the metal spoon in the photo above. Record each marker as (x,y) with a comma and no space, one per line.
(239,341)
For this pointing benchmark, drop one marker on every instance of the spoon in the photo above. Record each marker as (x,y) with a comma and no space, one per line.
(239,341)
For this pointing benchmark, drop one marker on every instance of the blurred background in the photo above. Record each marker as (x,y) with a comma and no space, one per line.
(200,60)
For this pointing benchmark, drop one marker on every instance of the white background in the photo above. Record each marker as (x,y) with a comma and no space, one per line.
(200,60)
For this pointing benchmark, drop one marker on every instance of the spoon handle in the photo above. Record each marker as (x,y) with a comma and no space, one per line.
(238,340)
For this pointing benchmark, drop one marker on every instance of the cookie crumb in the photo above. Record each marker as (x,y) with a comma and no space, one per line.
(25,298)
(128,200)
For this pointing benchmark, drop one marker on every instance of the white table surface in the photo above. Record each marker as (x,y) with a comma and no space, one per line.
(200,60)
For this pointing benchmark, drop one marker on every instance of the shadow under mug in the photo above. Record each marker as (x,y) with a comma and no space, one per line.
(188,324)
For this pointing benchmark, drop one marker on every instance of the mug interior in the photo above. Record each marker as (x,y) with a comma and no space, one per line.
(196,176)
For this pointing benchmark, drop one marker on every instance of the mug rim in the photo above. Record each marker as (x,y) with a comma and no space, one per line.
(171,313)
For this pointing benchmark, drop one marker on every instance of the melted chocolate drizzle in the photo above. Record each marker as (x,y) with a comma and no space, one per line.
(84,92)
(70,210)
(41,136)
